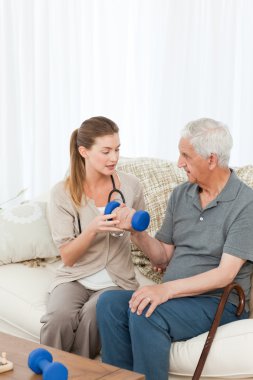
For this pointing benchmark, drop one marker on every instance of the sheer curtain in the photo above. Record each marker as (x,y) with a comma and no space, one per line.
(150,65)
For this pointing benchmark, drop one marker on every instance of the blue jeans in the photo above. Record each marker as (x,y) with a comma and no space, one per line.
(142,344)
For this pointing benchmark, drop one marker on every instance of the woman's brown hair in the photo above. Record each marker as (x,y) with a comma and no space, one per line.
(89,130)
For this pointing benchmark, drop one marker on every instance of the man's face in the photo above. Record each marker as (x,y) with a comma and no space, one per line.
(195,166)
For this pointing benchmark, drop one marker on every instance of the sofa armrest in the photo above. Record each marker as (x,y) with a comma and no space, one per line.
(216,322)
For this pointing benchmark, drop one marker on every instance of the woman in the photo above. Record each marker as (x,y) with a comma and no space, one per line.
(94,257)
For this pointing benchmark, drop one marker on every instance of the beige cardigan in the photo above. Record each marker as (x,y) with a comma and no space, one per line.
(106,251)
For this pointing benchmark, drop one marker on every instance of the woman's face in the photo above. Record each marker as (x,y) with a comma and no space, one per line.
(103,155)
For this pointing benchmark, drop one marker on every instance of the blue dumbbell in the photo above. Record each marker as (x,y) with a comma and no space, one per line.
(41,362)
(140,220)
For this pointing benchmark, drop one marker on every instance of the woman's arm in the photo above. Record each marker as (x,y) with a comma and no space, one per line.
(72,251)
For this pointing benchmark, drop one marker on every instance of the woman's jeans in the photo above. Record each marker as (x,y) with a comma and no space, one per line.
(142,344)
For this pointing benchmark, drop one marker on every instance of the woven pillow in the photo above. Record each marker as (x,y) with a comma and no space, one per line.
(25,233)
(245,173)
(158,178)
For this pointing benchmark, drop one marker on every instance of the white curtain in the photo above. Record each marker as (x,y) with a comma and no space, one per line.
(150,65)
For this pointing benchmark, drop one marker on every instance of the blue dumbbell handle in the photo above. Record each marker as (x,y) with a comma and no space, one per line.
(43,364)
(140,220)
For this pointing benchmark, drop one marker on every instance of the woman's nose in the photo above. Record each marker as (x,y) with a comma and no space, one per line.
(114,156)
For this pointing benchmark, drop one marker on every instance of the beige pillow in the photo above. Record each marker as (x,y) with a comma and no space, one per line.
(25,234)
(245,173)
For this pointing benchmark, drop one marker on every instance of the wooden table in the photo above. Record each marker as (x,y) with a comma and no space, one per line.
(79,368)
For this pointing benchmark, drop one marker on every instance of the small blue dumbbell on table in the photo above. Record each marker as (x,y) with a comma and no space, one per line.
(140,220)
(41,362)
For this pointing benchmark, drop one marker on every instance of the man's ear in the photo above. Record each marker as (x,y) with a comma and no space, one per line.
(83,151)
(213,161)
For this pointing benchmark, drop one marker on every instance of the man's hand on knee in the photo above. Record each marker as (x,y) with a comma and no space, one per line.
(150,294)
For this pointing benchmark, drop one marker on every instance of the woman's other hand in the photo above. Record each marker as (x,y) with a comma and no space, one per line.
(104,223)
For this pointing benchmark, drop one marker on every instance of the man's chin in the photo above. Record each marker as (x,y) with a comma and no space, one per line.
(190,178)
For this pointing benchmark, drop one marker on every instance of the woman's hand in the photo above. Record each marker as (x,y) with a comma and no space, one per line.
(150,294)
(104,223)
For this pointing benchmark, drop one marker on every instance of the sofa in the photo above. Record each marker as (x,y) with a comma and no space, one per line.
(29,258)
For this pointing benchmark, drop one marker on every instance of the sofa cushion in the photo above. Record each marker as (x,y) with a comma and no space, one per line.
(23,294)
(230,355)
(25,233)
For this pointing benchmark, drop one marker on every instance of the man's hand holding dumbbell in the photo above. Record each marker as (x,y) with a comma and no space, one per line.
(129,218)
(124,214)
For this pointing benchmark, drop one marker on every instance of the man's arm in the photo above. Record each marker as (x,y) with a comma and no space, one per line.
(158,252)
(216,278)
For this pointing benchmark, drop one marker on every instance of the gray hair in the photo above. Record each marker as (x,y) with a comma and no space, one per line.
(209,136)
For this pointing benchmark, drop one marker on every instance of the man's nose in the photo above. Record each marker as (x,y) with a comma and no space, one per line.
(180,162)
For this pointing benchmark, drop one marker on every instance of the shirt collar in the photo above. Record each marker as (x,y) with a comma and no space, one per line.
(228,193)
(231,188)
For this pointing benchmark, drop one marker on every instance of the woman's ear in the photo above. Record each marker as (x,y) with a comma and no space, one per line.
(83,151)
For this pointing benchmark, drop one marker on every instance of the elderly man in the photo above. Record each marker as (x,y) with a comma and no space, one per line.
(205,242)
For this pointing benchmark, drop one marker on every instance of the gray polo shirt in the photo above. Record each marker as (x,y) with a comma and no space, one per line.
(200,236)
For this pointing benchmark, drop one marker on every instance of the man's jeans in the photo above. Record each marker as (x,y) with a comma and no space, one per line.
(143,344)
